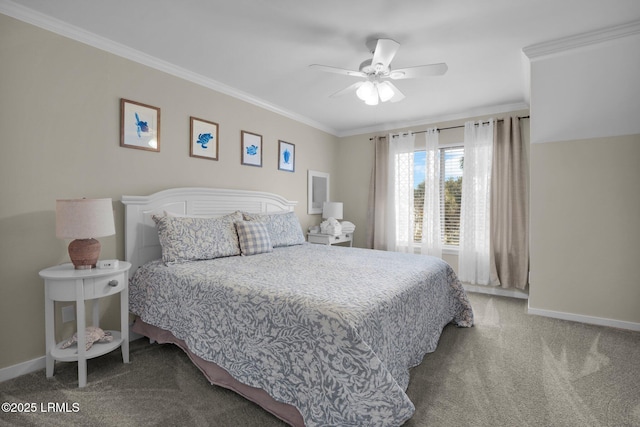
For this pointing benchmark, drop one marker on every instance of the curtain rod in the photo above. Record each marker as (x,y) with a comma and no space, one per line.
(447,128)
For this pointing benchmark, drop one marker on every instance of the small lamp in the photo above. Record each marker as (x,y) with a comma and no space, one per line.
(83,220)
(332,210)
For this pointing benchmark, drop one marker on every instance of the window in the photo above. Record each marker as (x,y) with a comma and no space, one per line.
(451,165)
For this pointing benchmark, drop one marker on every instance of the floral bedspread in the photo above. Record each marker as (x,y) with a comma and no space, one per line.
(330,330)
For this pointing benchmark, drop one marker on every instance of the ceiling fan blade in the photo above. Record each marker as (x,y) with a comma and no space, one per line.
(385,51)
(419,71)
(336,70)
(348,89)
(398,96)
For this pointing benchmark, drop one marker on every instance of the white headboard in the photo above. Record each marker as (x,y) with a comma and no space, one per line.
(141,238)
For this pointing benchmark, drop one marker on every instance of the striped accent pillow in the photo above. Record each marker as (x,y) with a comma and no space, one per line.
(253,237)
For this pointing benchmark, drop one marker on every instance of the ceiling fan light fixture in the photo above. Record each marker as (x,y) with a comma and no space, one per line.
(373,89)
(367,91)
(373,100)
(385,91)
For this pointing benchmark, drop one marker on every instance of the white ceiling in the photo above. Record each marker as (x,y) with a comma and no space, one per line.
(260,50)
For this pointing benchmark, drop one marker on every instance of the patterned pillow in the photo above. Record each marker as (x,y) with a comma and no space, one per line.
(284,228)
(253,237)
(190,239)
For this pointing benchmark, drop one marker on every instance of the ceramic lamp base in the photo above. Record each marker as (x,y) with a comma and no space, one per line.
(84,253)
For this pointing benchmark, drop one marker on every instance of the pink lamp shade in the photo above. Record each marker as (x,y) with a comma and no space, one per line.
(84,220)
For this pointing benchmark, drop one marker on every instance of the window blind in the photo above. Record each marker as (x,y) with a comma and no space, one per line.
(451,166)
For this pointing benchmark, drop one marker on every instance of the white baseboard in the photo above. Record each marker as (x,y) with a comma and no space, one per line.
(495,290)
(515,293)
(23,368)
(600,321)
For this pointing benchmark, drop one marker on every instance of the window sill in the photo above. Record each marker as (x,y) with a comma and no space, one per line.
(446,250)
(450,250)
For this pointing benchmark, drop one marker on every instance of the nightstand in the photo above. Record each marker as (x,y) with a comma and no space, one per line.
(328,239)
(64,283)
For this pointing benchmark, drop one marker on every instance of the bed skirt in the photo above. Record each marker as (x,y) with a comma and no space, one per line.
(220,377)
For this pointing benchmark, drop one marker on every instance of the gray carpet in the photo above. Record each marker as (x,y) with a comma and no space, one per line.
(511,369)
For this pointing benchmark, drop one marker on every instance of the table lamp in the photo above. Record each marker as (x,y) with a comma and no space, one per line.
(84,220)
(332,210)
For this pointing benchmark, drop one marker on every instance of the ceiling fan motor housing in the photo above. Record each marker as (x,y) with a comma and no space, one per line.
(368,68)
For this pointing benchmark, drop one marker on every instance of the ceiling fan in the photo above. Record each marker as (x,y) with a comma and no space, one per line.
(376,72)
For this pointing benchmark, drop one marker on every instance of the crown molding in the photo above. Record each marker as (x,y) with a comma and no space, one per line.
(476,112)
(564,44)
(64,29)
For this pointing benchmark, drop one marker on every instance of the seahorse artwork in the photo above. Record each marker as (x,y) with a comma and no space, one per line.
(203,139)
(252,150)
(141,126)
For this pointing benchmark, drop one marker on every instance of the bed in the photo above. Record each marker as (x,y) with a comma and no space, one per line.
(316,335)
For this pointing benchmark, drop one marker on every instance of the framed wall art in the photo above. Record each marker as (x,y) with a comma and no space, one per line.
(203,142)
(286,156)
(317,191)
(139,126)
(251,146)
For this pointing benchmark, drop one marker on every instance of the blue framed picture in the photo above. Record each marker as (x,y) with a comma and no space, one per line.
(251,146)
(204,139)
(139,126)
(286,156)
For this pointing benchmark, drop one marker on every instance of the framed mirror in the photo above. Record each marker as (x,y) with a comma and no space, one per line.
(318,191)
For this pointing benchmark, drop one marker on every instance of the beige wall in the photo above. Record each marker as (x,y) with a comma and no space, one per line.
(59,138)
(585,202)
(585,230)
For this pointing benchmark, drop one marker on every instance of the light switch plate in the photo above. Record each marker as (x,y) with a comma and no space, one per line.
(68,314)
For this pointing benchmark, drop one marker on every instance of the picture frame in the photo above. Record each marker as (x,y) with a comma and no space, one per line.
(203,142)
(139,126)
(250,149)
(317,191)
(286,156)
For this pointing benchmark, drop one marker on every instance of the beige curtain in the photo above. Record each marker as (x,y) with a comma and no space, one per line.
(510,207)
(378,189)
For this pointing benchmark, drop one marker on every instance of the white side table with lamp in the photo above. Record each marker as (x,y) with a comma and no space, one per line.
(83,220)
(65,283)
(331,230)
